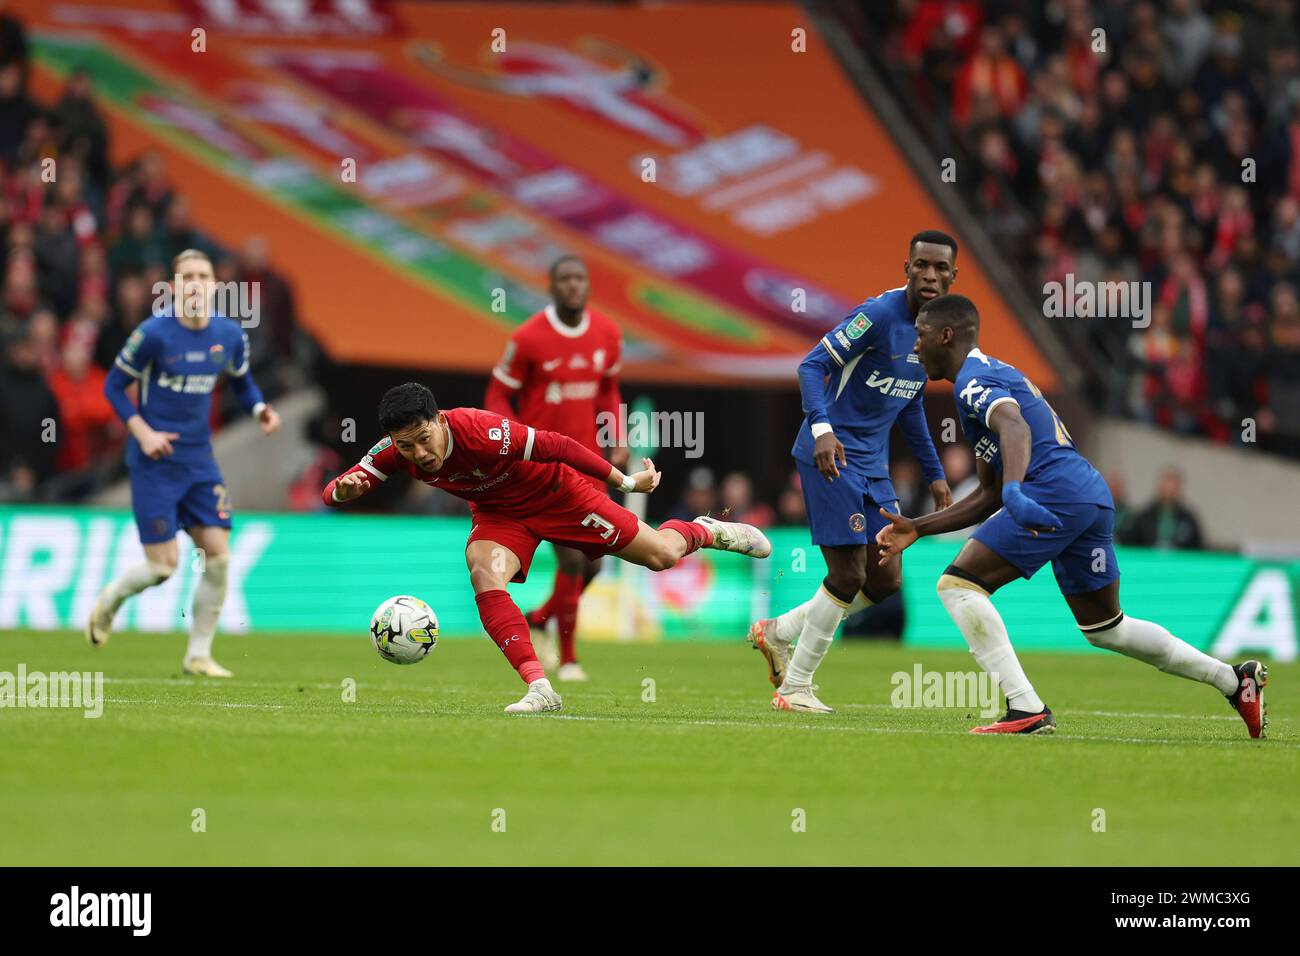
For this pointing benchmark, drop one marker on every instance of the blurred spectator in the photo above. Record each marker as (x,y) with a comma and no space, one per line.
(17,111)
(86,419)
(272,338)
(140,245)
(737,502)
(790,506)
(1167,522)
(1119,493)
(13,40)
(905,474)
(27,410)
(700,497)
(85,135)
(959,466)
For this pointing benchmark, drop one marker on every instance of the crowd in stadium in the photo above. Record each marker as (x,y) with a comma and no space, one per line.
(1116,141)
(82,244)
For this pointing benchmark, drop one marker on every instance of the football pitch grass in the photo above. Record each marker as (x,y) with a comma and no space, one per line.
(424,769)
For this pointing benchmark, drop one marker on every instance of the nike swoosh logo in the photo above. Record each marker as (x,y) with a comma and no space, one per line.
(552,365)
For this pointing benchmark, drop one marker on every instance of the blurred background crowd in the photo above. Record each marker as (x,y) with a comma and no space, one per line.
(1131,141)
(82,244)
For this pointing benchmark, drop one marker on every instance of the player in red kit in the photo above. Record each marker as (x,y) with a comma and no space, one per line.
(525,486)
(559,371)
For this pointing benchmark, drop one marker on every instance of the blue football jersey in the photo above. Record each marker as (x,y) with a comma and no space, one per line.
(177,368)
(873,378)
(1057,472)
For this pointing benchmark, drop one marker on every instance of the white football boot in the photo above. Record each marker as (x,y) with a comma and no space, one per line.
(801,699)
(99,626)
(204,667)
(737,537)
(540,699)
(571,672)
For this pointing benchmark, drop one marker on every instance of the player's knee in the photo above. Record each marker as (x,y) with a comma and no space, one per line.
(216,568)
(483,577)
(161,570)
(1108,635)
(847,581)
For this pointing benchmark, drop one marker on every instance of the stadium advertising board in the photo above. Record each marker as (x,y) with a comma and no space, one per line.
(316,573)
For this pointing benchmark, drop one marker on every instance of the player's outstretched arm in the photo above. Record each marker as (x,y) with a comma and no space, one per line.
(552,446)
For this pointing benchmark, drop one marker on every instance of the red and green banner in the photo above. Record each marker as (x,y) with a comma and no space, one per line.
(417,166)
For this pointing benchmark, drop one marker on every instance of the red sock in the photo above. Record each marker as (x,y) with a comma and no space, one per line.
(697,536)
(505,624)
(568,590)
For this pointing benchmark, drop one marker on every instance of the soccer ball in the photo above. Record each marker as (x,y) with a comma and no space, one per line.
(404,630)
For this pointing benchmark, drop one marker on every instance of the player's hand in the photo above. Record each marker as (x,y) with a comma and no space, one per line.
(1027,512)
(619,456)
(942,494)
(351,486)
(825,451)
(894,538)
(269,420)
(157,444)
(648,480)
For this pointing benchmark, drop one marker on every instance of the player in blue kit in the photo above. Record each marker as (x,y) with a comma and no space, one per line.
(176,360)
(1039,500)
(859,379)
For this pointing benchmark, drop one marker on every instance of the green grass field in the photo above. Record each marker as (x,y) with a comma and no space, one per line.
(415,770)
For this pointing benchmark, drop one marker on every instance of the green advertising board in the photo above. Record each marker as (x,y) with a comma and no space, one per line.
(326,572)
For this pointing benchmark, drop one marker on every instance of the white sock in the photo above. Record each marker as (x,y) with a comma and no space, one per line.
(135,579)
(790,624)
(981,625)
(1150,643)
(209,595)
(822,615)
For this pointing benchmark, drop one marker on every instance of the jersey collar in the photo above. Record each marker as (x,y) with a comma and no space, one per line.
(571,332)
(975,353)
(451,443)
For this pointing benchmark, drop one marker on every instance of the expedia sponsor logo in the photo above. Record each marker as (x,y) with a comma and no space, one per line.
(502,435)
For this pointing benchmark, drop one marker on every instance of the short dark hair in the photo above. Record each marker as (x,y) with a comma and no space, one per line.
(935,238)
(956,311)
(406,405)
(567,257)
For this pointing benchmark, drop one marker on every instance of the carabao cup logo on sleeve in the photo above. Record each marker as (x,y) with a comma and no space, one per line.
(858,326)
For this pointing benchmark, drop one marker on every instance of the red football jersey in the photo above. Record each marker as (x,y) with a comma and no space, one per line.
(561,376)
(493,462)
